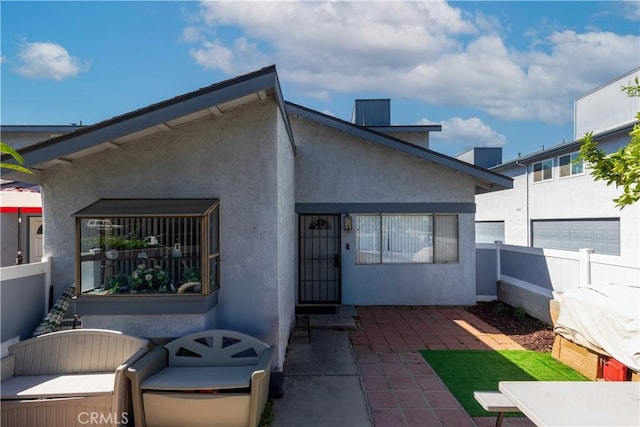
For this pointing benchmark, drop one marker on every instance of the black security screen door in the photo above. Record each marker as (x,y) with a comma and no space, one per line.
(319,259)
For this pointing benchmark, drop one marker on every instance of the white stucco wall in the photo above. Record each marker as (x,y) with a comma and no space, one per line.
(606,107)
(575,197)
(332,167)
(509,206)
(236,158)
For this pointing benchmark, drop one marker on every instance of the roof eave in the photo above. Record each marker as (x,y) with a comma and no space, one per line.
(491,181)
(552,151)
(158,114)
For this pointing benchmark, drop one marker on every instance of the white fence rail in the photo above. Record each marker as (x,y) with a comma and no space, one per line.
(527,276)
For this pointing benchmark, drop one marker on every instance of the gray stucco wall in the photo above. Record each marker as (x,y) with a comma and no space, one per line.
(486,273)
(233,157)
(332,167)
(287,237)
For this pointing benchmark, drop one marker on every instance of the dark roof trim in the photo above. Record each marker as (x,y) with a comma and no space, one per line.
(565,146)
(147,207)
(158,113)
(40,128)
(389,208)
(493,178)
(408,129)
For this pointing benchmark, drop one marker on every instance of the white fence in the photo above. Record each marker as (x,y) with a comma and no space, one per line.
(24,300)
(526,277)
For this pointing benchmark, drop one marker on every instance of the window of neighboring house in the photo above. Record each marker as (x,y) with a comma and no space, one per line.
(489,231)
(543,171)
(406,238)
(569,165)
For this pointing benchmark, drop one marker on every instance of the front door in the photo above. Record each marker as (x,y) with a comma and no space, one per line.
(35,239)
(319,259)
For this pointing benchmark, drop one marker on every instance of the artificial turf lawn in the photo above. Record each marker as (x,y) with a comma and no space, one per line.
(466,371)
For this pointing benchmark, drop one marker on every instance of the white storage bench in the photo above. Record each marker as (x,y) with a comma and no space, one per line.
(215,377)
(71,378)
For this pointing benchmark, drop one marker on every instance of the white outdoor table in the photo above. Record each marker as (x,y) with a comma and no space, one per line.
(576,403)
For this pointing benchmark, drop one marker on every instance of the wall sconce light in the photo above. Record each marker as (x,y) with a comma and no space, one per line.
(348,222)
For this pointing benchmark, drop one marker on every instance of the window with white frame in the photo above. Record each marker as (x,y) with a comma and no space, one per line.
(569,165)
(406,238)
(543,171)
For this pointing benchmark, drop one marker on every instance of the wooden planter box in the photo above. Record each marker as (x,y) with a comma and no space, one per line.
(583,360)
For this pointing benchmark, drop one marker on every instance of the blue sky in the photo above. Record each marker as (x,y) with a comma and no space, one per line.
(492,73)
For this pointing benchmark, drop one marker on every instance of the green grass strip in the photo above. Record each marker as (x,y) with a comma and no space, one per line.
(466,371)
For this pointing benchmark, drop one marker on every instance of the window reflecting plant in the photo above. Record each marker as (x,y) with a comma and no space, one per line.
(144,278)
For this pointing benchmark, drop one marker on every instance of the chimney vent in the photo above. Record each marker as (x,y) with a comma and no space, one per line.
(372,112)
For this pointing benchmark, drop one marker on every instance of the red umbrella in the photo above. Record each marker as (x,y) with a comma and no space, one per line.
(18,199)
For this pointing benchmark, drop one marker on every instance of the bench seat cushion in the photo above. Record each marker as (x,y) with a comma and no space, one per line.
(200,378)
(51,386)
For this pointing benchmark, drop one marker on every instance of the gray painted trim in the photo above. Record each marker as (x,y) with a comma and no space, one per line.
(407,129)
(152,304)
(495,180)
(156,114)
(334,208)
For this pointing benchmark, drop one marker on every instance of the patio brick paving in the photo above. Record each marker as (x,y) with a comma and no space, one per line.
(400,387)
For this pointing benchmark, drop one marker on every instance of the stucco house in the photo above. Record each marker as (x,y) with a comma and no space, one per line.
(287,207)
(555,203)
(20,203)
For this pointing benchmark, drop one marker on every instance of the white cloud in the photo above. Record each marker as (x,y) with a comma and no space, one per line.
(191,35)
(214,54)
(426,50)
(471,132)
(48,60)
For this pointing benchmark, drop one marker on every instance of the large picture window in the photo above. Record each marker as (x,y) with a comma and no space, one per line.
(406,238)
(148,247)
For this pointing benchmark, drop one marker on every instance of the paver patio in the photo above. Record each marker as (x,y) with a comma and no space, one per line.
(400,387)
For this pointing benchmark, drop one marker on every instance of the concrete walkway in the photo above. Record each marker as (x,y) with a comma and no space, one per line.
(362,368)
(321,382)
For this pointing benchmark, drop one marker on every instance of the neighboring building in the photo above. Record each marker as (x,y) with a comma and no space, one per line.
(21,136)
(311,210)
(20,204)
(20,224)
(555,203)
